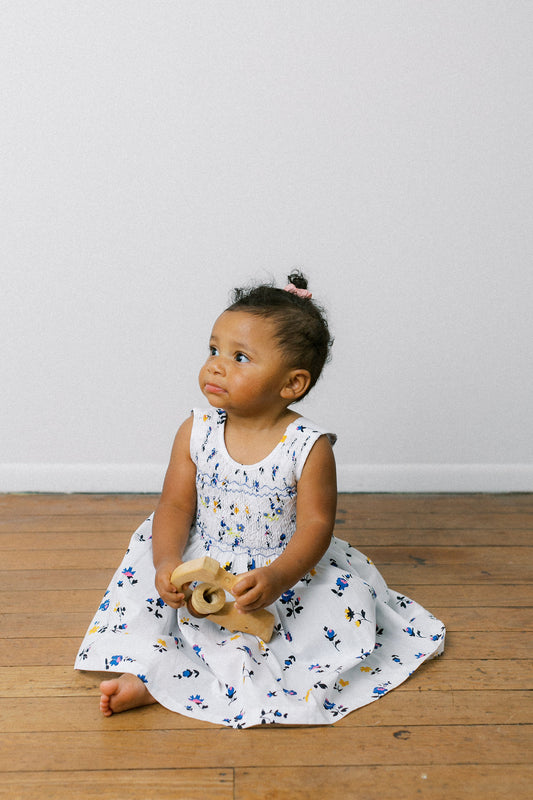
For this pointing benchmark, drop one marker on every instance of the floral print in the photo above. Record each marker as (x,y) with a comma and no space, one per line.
(341,638)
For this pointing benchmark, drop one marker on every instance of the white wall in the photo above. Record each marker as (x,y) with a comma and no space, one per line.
(154,155)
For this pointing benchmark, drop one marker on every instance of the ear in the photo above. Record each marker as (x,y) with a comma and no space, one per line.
(296,385)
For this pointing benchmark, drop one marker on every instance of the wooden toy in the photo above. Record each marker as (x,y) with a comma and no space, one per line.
(208,599)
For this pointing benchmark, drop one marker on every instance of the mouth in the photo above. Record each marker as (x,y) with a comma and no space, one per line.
(212,388)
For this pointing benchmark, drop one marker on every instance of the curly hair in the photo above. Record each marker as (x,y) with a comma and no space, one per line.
(301,326)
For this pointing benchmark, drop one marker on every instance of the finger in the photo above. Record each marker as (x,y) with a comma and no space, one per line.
(256,606)
(251,601)
(175,600)
(246,583)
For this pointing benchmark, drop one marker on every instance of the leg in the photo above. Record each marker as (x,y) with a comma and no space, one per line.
(122,693)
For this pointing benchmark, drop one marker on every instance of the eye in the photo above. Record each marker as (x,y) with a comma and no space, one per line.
(213,351)
(241,358)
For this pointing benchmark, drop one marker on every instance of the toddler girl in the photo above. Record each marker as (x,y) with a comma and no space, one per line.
(251,483)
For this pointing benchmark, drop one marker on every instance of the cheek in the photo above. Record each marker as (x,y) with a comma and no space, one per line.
(202,373)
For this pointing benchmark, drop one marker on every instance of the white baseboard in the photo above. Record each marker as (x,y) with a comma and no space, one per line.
(81,477)
(351,477)
(435,478)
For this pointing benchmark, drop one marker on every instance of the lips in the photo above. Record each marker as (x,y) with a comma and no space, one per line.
(212,388)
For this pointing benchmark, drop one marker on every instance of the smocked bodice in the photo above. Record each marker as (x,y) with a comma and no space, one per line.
(247,509)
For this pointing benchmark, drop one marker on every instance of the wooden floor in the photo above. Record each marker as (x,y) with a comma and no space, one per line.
(460,727)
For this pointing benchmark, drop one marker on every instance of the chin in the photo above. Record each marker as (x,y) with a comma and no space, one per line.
(213,400)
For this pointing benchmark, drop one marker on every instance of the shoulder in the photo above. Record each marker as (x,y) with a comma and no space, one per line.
(183,435)
(208,416)
(310,431)
(302,438)
(206,432)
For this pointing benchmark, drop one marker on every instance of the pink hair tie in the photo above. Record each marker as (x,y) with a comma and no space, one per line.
(300,292)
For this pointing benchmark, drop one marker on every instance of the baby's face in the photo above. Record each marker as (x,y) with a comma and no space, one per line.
(245,370)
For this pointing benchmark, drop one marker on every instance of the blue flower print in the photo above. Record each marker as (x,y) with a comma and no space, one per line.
(118,628)
(318,668)
(128,573)
(271,716)
(341,584)
(248,652)
(114,661)
(289,661)
(412,632)
(155,606)
(292,602)
(332,637)
(231,693)
(198,701)
(143,678)
(188,673)
(236,722)
(198,650)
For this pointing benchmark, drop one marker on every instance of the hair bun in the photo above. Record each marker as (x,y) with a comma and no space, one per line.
(298,279)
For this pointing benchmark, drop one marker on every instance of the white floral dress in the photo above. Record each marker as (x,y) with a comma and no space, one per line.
(341,637)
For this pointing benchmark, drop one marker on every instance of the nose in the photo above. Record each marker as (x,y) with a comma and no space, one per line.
(215,366)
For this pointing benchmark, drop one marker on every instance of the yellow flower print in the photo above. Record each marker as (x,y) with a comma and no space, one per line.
(162,642)
(365,669)
(343,683)
(93,630)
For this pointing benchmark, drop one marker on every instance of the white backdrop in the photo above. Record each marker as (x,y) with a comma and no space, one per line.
(155,155)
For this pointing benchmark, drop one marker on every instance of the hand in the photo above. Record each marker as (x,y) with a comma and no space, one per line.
(170,594)
(257,589)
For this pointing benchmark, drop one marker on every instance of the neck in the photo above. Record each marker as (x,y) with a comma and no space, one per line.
(260,422)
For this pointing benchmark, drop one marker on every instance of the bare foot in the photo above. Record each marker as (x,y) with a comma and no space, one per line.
(121,694)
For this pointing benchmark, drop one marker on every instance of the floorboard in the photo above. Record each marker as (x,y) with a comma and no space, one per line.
(460,727)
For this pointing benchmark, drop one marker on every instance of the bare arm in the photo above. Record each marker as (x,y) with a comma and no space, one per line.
(174,515)
(316,504)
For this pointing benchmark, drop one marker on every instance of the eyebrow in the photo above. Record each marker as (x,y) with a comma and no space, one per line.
(236,346)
